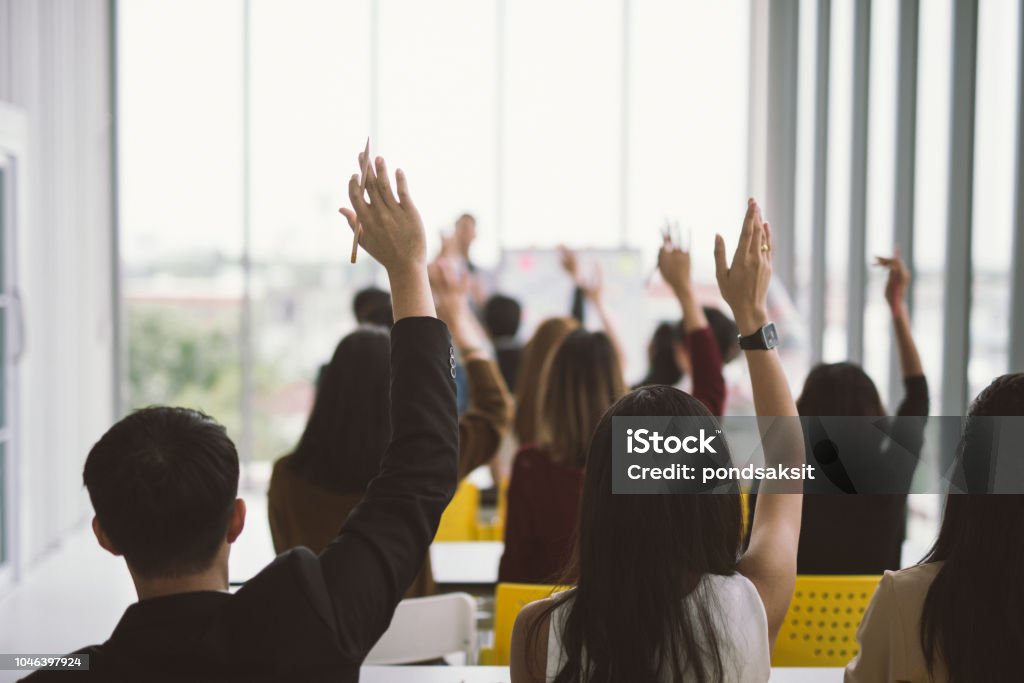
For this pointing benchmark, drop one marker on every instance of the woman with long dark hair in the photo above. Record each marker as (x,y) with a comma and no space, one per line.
(958,617)
(662,591)
(314,488)
(691,346)
(582,379)
(864,533)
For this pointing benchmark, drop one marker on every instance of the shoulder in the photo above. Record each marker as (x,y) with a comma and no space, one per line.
(909,586)
(739,600)
(530,639)
(529,457)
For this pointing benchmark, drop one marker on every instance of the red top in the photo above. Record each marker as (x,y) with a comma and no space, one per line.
(706,366)
(543,509)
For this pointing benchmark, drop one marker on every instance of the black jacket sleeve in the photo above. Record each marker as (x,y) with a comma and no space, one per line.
(381,546)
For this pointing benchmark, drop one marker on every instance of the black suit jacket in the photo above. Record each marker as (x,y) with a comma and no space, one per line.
(307,617)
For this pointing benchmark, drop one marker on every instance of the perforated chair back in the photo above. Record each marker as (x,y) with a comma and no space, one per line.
(460,519)
(822,620)
(425,629)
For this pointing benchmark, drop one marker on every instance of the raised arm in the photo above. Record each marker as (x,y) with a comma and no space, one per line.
(770,559)
(381,545)
(895,295)
(706,359)
(483,425)
(591,288)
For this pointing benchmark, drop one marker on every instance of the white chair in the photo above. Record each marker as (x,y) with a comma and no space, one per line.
(428,628)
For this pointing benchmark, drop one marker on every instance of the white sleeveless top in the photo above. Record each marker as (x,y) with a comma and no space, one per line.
(739,619)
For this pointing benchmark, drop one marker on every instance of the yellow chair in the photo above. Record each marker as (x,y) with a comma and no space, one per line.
(460,519)
(508,600)
(822,620)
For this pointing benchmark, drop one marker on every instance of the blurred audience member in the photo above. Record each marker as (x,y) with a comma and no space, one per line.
(502,315)
(313,489)
(373,306)
(584,378)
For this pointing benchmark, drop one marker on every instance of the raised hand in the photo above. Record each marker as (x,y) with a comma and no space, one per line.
(744,282)
(451,291)
(392,231)
(389,228)
(570,263)
(451,296)
(674,265)
(899,279)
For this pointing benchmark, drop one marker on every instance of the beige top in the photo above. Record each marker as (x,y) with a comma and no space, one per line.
(889,635)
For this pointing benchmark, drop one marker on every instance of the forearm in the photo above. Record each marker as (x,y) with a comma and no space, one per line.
(910,360)
(693,312)
(467,335)
(410,293)
(483,426)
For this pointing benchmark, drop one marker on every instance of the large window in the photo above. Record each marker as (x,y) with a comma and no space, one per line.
(239,125)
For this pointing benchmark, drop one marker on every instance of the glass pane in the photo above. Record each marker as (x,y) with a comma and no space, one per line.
(180,103)
(932,180)
(687,151)
(3,503)
(839,158)
(3,362)
(881,178)
(306,131)
(563,127)
(4,179)
(995,127)
(183,341)
(438,115)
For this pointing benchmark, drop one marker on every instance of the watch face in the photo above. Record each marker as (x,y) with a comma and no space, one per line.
(771,337)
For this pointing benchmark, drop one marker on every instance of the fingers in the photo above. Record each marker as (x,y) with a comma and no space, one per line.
(721,266)
(355,195)
(746,233)
(385,183)
(350,216)
(403,189)
(757,232)
(767,253)
(373,185)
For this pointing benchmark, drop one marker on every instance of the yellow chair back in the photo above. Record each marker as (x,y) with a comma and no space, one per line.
(822,620)
(508,600)
(459,521)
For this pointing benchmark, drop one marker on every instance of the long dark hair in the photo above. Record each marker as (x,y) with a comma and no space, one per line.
(637,560)
(839,389)
(973,615)
(350,424)
(536,355)
(582,380)
(661,355)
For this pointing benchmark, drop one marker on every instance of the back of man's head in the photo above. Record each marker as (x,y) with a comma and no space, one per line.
(163,482)
(373,305)
(501,316)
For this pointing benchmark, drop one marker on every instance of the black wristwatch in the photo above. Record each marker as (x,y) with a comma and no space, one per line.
(762,340)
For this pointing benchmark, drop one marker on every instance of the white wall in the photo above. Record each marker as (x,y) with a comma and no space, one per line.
(55,66)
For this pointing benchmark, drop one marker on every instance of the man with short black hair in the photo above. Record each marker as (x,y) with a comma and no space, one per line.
(502,315)
(372,305)
(164,481)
